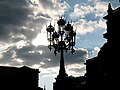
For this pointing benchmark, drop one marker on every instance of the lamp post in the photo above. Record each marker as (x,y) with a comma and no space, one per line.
(61,40)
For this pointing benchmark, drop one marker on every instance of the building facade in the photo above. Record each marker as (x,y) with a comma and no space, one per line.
(24,78)
(102,72)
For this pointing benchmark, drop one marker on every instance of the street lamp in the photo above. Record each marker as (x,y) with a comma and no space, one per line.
(61,40)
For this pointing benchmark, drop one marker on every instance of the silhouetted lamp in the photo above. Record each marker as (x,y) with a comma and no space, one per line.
(50,30)
(61,40)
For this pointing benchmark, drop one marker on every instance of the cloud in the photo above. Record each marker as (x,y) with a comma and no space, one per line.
(88,17)
(91,7)
(51,8)
(23,19)
(41,55)
(81,10)
(76,70)
(13,15)
(18,22)
(115,3)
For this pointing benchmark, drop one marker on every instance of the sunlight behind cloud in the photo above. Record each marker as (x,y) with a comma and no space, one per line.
(41,39)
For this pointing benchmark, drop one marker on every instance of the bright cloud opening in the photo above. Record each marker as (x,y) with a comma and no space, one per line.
(41,39)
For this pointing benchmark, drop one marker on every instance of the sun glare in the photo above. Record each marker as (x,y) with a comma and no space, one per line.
(41,39)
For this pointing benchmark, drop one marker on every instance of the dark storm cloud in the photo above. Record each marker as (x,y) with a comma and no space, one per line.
(13,16)
(13,11)
(18,21)
(40,55)
(77,58)
(47,57)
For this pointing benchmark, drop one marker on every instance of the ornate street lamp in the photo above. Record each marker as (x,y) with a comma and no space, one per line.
(61,40)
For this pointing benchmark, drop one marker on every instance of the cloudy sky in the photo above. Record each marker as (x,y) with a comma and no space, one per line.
(23,39)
